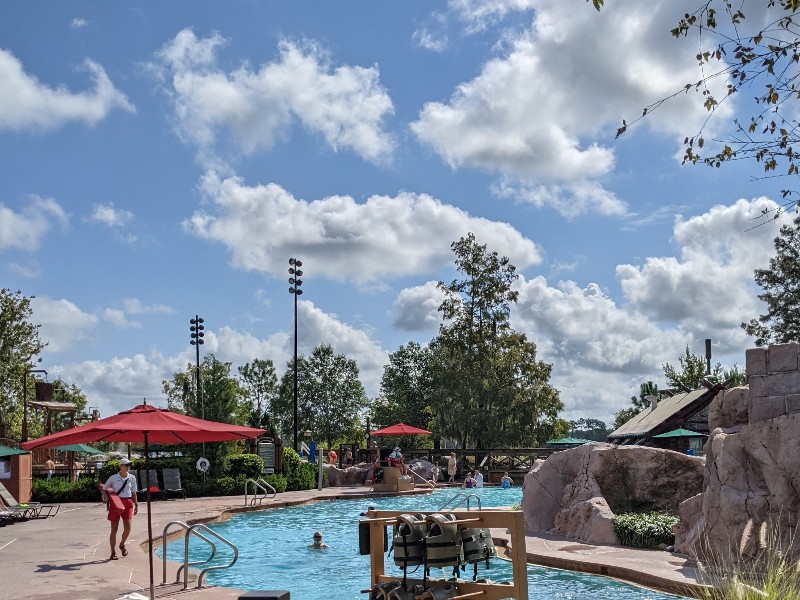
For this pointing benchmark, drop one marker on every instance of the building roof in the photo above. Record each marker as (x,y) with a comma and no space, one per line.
(568,441)
(652,421)
(679,433)
(6,451)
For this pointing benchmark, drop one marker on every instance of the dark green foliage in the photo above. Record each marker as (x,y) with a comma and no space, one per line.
(249,465)
(299,475)
(645,530)
(228,486)
(277,481)
(60,490)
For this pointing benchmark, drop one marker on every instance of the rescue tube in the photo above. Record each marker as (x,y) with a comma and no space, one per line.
(478,545)
(408,541)
(443,545)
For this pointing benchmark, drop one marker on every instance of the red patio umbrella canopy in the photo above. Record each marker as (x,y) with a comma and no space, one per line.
(147,424)
(400,429)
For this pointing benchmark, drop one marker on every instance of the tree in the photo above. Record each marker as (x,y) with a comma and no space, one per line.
(260,385)
(691,373)
(406,389)
(330,396)
(19,343)
(762,53)
(488,386)
(638,404)
(589,429)
(781,285)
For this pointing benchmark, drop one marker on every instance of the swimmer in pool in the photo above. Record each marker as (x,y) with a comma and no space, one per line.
(318,543)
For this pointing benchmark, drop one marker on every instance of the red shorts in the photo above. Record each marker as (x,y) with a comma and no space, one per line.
(126,514)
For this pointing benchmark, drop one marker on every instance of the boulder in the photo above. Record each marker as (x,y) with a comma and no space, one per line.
(423,469)
(349,477)
(577,492)
(729,408)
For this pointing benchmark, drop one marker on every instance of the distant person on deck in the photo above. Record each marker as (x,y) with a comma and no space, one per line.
(50,466)
(452,465)
(434,475)
(478,478)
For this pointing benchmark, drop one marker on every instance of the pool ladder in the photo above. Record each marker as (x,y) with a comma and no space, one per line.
(259,485)
(194,530)
(462,497)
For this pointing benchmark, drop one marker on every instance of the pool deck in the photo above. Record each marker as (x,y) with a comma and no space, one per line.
(67,556)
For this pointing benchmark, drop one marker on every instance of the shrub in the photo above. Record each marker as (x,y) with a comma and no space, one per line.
(645,530)
(227,486)
(249,465)
(277,481)
(60,490)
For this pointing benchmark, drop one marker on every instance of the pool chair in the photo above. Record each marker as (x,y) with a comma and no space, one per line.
(31,510)
(172,483)
(148,479)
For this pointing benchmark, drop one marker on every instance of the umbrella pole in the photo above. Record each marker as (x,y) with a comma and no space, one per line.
(149,520)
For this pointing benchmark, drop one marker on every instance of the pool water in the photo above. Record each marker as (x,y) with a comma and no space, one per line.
(273,552)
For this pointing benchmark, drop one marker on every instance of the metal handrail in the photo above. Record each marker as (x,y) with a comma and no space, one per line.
(258,484)
(207,569)
(186,563)
(420,477)
(464,497)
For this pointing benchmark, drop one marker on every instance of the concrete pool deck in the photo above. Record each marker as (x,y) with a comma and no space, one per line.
(67,556)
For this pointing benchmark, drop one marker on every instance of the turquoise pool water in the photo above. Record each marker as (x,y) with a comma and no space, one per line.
(273,553)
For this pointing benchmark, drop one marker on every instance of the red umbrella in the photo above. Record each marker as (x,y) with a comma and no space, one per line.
(400,429)
(146,424)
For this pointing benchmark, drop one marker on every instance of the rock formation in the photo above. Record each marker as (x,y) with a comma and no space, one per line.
(577,492)
(349,477)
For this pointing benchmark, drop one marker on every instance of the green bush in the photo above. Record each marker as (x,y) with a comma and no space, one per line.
(61,490)
(228,486)
(645,530)
(277,481)
(249,465)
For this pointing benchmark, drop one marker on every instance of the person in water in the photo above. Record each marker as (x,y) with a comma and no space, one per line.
(318,543)
(506,481)
(470,482)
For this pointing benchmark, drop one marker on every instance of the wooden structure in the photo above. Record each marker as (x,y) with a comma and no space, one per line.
(393,481)
(504,519)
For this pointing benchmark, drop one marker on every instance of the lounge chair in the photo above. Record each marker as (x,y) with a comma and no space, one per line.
(31,510)
(172,482)
(148,479)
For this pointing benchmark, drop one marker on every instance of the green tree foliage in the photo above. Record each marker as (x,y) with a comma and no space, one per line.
(260,386)
(330,396)
(758,55)
(406,390)
(691,373)
(19,344)
(589,429)
(638,404)
(781,285)
(490,389)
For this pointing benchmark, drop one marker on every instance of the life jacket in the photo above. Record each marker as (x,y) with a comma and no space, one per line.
(408,541)
(443,543)
(478,545)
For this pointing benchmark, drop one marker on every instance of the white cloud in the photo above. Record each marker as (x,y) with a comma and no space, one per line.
(25,229)
(26,103)
(110,215)
(539,114)
(79,23)
(480,13)
(435,42)
(134,306)
(417,308)
(118,318)
(63,324)
(346,105)
(340,239)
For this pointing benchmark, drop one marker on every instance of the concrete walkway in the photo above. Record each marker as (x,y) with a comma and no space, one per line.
(67,556)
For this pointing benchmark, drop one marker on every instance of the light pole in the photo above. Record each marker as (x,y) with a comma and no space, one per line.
(25,400)
(296,273)
(197,339)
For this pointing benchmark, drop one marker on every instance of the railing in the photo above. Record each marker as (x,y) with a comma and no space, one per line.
(192,531)
(420,477)
(258,484)
(451,504)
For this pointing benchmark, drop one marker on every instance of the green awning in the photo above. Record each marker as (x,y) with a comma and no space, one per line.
(568,441)
(6,451)
(79,448)
(679,433)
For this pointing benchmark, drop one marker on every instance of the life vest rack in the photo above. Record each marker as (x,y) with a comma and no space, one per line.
(456,538)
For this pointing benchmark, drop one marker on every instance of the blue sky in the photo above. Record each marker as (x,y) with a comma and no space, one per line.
(161,160)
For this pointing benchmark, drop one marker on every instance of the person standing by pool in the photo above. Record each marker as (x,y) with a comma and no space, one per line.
(452,464)
(123,484)
(50,466)
(478,478)
(318,543)
(434,474)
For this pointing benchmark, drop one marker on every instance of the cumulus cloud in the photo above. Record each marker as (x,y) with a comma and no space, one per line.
(478,14)
(344,240)
(110,215)
(62,322)
(417,308)
(25,229)
(26,103)
(345,105)
(134,306)
(538,114)
(79,23)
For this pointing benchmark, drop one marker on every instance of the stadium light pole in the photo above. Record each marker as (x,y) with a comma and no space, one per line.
(196,330)
(296,273)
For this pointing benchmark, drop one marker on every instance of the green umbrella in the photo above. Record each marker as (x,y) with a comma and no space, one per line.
(680,433)
(79,448)
(6,451)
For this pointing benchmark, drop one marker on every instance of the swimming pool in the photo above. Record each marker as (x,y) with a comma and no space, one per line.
(273,552)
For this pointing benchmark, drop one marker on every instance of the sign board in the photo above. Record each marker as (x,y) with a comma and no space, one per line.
(266,450)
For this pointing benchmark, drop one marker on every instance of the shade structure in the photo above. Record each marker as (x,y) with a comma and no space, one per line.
(567,441)
(679,433)
(6,451)
(147,424)
(400,429)
(79,448)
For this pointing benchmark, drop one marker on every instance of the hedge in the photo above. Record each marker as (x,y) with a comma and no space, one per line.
(645,530)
